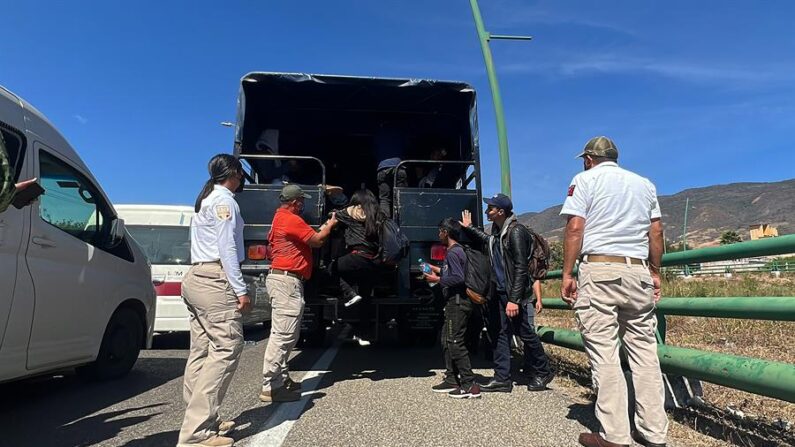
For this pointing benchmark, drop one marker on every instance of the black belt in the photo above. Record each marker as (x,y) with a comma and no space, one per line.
(286,273)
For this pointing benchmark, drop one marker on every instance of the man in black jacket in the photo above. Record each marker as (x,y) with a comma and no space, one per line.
(509,248)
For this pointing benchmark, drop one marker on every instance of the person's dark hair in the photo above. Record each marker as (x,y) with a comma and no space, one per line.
(452,227)
(374,217)
(221,167)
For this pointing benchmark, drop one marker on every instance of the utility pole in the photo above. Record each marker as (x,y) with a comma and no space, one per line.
(502,135)
(684,235)
(684,227)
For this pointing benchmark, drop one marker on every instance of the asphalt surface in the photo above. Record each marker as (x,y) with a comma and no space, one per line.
(362,396)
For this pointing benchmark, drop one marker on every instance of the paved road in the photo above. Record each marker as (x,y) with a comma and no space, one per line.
(362,396)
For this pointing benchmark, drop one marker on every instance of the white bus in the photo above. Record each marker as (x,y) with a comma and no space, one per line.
(163,232)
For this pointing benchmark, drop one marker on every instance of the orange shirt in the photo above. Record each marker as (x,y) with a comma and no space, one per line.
(289,241)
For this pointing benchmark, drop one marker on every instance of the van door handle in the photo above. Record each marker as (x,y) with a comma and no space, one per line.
(43,242)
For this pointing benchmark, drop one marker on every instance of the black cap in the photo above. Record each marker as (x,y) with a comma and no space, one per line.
(500,201)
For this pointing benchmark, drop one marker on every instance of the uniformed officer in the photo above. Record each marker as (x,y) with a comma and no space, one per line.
(614,228)
(215,294)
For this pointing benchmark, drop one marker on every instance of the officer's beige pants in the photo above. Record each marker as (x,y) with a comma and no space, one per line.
(616,300)
(216,341)
(286,295)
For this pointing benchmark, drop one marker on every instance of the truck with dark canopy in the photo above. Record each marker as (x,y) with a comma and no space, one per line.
(320,130)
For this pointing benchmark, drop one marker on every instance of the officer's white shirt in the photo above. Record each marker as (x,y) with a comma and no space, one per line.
(617,205)
(217,234)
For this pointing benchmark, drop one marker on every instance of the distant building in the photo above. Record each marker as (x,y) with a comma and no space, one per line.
(761,231)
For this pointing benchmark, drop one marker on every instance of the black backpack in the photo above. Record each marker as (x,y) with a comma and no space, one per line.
(477,278)
(394,244)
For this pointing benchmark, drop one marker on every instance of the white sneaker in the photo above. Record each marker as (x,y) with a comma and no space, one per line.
(353,301)
(361,341)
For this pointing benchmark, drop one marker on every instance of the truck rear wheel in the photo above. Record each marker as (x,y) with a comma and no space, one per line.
(119,350)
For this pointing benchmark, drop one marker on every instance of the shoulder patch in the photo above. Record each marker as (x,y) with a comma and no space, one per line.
(224,212)
(571,190)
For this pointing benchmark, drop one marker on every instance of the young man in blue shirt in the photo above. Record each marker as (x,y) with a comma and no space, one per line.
(459,380)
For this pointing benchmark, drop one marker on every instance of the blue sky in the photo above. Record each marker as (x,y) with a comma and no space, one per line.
(693,93)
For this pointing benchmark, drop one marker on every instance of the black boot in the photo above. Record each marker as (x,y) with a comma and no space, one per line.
(539,383)
(496,386)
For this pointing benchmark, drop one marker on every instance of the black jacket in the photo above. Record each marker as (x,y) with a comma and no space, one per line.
(515,242)
(355,235)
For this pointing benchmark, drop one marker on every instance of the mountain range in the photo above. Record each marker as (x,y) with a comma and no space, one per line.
(712,210)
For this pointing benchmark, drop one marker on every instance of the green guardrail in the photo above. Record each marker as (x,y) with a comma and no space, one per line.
(780,245)
(778,308)
(763,377)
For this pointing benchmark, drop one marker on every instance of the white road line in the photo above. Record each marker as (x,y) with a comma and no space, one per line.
(275,430)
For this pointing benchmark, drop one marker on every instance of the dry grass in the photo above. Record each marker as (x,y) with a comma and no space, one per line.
(769,340)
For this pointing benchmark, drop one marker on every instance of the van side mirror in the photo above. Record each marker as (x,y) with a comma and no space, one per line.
(117,232)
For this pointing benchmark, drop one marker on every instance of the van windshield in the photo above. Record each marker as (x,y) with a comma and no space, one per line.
(162,244)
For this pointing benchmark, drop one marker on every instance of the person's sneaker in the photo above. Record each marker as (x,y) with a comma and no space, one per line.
(496,386)
(539,383)
(353,301)
(444,387)
(460,393)
(225,427)
(279,395)
(292,385)
(361,341)
(214,441)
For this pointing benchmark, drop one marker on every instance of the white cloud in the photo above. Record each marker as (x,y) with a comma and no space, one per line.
(80,119)
(679,70)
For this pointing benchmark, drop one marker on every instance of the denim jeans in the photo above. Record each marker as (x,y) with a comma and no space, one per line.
(535,359)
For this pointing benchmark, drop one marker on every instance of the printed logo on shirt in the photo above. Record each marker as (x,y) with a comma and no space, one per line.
(223,212)
(571,190)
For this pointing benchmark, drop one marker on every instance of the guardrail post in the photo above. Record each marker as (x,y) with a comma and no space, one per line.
(662,327)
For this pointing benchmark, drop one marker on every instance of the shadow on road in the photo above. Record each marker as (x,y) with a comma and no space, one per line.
(59,410)
(584,414)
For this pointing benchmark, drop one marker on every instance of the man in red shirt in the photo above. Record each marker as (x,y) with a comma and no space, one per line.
(291,241)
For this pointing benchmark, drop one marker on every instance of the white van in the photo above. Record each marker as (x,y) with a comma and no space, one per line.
(75,289)
(163,232)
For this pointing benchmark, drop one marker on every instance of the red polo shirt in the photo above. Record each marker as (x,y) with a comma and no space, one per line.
(289,241)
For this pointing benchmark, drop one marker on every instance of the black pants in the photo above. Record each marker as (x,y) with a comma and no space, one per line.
(354,270)
(503,328)
(456,357)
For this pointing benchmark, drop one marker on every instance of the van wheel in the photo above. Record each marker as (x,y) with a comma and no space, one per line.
(119,350)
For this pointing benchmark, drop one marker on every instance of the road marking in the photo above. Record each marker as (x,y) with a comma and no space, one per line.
(275,430)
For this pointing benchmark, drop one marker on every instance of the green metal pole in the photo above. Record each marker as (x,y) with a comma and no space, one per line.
(779,308)
(769,246)
(767,378)
(684,226)
(684,235)
(502,135)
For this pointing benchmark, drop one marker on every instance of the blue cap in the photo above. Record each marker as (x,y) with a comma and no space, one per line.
(388,163)
(500,201)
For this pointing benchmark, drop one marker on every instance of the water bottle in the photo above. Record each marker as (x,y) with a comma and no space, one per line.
(426,268)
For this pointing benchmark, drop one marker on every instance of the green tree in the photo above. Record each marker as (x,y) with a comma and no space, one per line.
(671,247)
(556,255)
(730,237)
